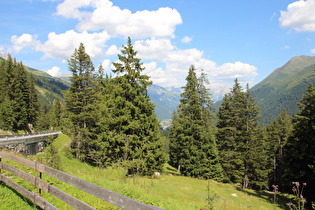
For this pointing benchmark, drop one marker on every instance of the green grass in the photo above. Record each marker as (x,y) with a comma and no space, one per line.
(10,199)
(168,191)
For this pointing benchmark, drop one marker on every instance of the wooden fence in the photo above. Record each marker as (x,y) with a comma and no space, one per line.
(99,192)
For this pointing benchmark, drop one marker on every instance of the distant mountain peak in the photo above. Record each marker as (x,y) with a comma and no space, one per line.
(284,87)
(294,65)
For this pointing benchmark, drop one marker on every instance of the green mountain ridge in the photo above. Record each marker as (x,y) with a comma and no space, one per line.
(284,87)
(48,87)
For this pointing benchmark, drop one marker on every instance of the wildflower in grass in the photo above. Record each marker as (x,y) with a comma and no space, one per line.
(299,199)
(275,192)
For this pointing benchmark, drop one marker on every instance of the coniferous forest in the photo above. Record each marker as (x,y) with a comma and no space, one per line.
(112,122)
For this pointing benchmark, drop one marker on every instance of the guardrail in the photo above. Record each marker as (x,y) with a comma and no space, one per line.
(116,199)
(25,138)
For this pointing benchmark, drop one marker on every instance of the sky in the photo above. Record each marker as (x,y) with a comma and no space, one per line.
(229,39)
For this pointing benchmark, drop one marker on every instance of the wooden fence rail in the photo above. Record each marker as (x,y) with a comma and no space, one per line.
(99,192)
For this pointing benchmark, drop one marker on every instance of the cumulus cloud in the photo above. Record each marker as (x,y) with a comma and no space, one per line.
(313,51)
(177,61)
(53,71)
(112,50)
(160,76)
(106,64)
(61,46)
(186,39)
(299,16)
(24,41)
(116,21)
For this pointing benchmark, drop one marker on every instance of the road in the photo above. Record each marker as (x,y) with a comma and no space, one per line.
(26,138)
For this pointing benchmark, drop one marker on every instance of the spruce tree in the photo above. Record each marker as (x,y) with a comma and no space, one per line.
(278,133)
(33,103)
(229,120)
(193,147)
(18,96)
(55,114)
(300,149)
(81,103)
(129,127)
(240,140)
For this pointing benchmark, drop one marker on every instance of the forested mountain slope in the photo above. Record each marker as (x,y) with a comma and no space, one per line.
(284,87)
(49,87)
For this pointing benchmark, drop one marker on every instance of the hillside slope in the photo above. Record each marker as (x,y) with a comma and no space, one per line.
(48,87)
(284,87)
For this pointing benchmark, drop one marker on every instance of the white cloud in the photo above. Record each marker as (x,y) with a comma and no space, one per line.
(177,61)
(106,64)
(160,76)
(53,71)
(112,50)
(24,41)
(61,46)
(70,9)
(94,15)
(154,48)
(235,70)
(299,16)
(4,55)
(186,39)
(313,51)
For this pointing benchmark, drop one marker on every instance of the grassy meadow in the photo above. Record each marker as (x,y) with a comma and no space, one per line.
(169,191)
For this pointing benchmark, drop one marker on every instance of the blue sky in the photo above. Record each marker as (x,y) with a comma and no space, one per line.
(245,39)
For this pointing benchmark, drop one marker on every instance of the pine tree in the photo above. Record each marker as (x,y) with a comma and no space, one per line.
(278,133)
(33,104)
(240,140)
(300,149)
(229,120)
(18,95)
(255,156)
(192,143)
(42,121)
(81,101)
(129,127)
(55,114)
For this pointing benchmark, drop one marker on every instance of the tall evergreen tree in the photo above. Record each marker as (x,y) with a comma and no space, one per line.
(81,102)
(18,96)
(55,114)
(278,133)
(192,142)
(300,149)
(129,127)
(33,103)
(240,141)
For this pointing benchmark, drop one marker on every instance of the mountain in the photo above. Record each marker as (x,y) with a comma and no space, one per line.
(284,87)
(165,99)
(49,87)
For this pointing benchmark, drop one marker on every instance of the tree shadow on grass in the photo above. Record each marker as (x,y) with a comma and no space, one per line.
(267,196)
(26,200)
